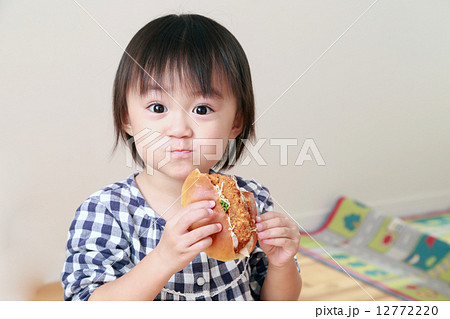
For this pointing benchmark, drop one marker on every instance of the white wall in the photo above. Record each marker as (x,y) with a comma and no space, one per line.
(376,104)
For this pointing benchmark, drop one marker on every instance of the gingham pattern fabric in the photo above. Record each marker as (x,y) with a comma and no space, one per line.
(115,228)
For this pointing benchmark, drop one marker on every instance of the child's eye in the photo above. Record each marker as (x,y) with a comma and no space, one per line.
(202,109)
(157,108)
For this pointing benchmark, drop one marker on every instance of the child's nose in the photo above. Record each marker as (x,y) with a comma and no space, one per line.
(180,125)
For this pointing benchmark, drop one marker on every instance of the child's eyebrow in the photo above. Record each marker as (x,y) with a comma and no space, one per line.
(167,89)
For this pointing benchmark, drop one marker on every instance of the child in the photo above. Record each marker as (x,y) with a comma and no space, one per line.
(186,80)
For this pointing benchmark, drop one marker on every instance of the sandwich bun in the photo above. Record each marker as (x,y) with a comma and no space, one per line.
(234,209)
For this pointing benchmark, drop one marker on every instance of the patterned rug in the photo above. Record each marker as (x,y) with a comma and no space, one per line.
(407,257)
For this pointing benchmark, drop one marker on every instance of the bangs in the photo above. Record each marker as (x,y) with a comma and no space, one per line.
(184,51)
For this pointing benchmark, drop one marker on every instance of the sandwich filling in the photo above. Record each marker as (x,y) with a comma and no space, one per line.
(234,205)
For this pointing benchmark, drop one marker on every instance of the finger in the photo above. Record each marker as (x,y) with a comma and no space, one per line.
(274,215)
(278,232)
(200,233)
(266,215)
(199,246)
(278,221)
(269,215)
(195,216)
(204,221)
(199,205)
(271,223)
(279,242)
(194,212)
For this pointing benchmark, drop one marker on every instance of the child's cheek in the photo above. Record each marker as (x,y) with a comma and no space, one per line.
(209,149)
(152,155)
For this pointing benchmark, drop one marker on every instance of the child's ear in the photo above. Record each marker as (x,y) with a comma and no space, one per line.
(126,126)
(238,125)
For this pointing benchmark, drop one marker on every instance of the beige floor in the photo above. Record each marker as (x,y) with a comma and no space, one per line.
(320,283)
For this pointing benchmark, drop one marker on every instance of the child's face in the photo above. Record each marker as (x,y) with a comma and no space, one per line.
(199,125)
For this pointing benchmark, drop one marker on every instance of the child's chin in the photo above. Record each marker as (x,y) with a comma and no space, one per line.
(180,172)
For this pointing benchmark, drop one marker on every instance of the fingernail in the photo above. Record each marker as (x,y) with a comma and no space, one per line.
(259,226)
(261,235)
(219,225)
(212,203)
(210,211)
(258,219)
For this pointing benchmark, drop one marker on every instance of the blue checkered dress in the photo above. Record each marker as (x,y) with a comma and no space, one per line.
(115,228)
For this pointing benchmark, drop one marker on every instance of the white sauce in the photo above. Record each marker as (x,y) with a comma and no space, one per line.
(235,240)
(244,251)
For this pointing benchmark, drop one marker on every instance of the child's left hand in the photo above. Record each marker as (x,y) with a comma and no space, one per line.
(278,237)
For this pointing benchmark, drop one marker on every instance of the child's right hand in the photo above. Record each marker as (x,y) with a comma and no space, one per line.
(178,246)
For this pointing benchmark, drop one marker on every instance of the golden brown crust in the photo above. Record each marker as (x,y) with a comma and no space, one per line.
(198,186)
(251,205)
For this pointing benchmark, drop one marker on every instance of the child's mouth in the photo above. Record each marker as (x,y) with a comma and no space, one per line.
(181,153)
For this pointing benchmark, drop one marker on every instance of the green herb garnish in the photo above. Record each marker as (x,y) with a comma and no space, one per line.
(225,205)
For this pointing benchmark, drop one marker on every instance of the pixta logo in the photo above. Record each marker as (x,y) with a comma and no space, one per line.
(157,150)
